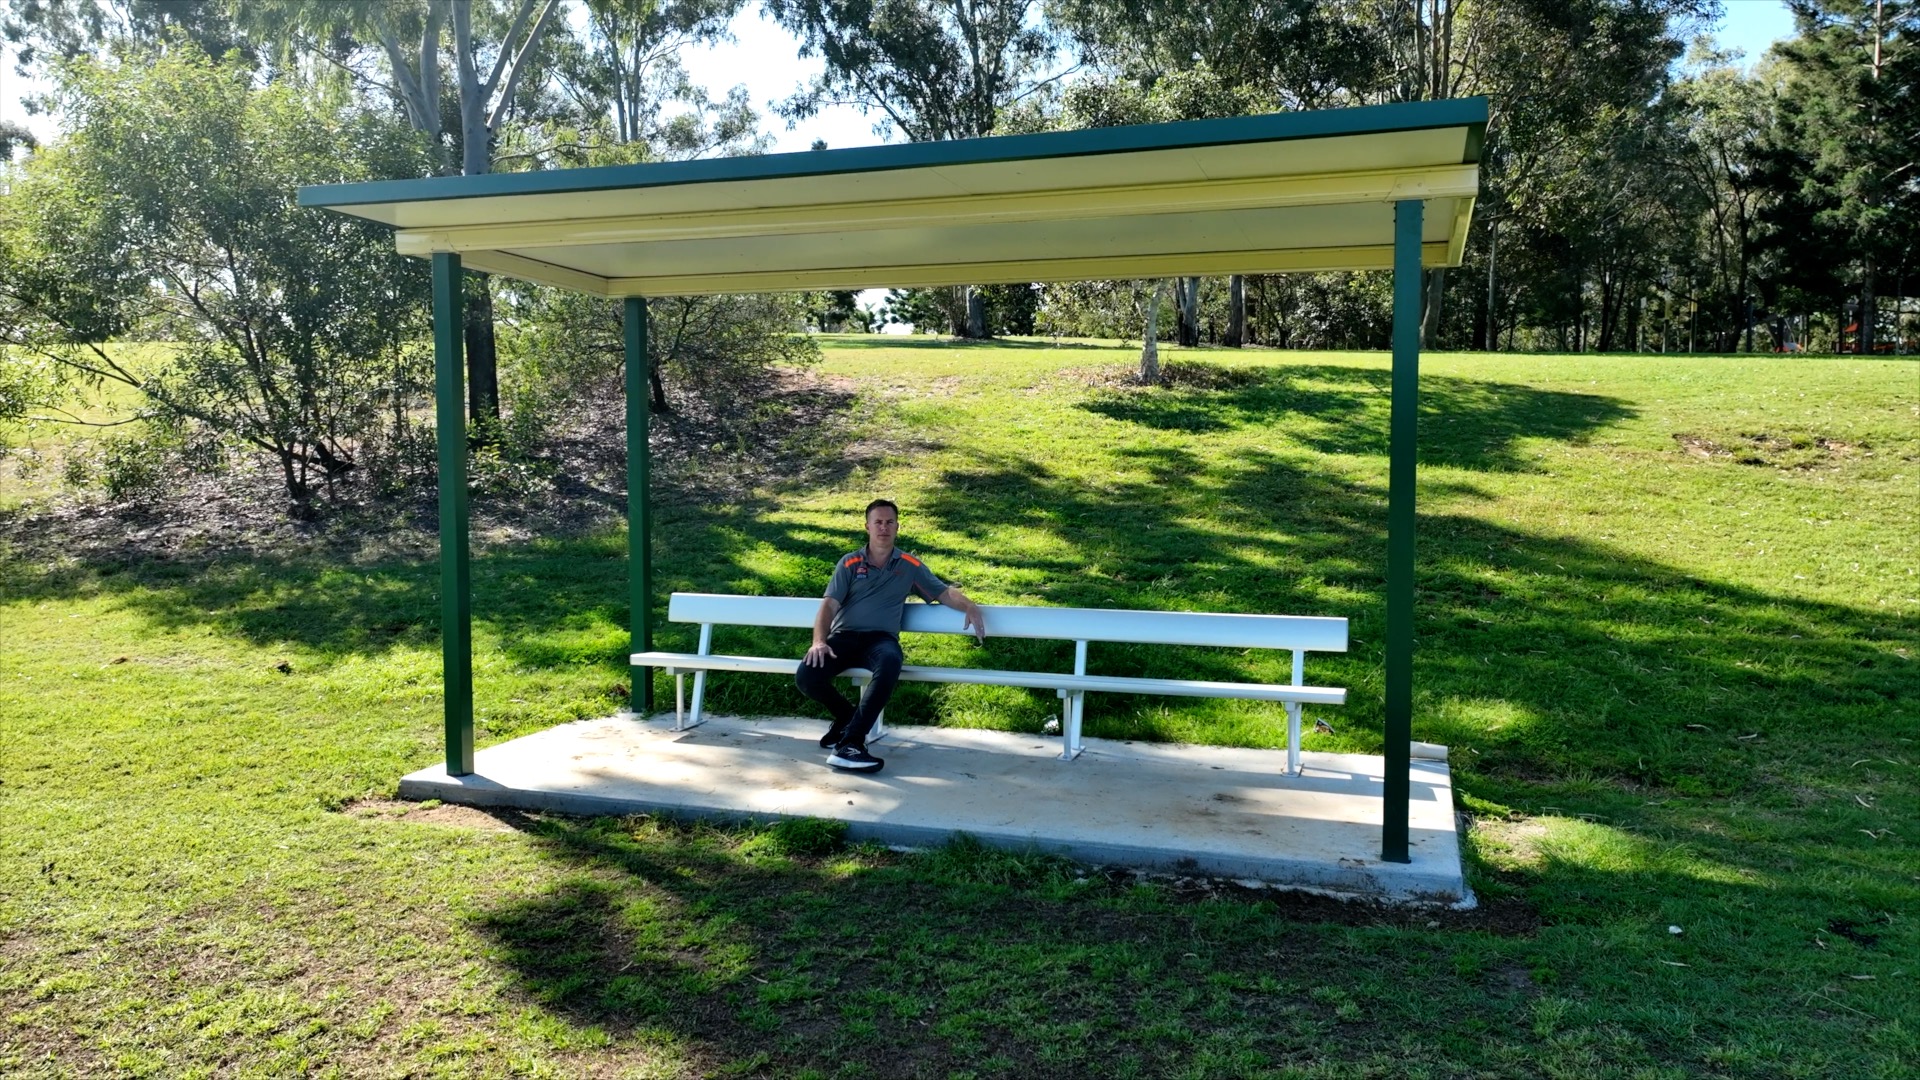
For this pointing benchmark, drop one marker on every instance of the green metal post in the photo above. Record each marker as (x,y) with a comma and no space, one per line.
(1407,293)
(639,522)
(456,579)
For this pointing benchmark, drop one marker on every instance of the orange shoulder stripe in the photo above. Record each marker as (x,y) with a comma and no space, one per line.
(910,558)
(851,559)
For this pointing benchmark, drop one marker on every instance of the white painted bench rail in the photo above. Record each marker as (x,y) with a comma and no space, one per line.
(1296,634)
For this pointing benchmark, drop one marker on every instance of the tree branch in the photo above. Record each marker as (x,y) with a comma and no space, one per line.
(520,62)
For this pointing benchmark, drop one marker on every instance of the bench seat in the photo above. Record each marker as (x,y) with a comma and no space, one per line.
(674,662)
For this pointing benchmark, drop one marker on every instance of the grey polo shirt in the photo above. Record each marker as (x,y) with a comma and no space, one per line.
(874,597)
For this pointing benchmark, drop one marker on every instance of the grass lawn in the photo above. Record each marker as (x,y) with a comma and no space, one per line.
(1668,619)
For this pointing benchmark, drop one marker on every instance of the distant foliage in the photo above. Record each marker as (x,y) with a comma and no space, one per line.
(709,353)
(168,211)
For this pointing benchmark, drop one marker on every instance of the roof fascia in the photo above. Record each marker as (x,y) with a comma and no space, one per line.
(1274,127)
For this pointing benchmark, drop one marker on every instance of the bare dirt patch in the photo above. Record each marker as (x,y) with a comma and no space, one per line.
(483,819)
(796,428)
(1794,451)
(1176,375)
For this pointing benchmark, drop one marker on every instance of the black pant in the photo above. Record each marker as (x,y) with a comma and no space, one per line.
(875,650)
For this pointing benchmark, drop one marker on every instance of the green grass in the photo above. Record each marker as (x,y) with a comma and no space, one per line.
(63,441)
(1668,614)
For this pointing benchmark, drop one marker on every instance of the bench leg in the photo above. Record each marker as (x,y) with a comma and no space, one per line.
(1075,710)
(679,699)
(1293,738)
(699,699)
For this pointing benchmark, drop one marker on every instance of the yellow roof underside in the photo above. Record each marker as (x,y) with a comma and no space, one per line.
(1267,207)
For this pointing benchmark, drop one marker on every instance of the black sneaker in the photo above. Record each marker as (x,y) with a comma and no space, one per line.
(855,759)
(833,736)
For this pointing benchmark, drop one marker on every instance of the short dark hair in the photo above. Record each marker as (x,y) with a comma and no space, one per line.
(877,504)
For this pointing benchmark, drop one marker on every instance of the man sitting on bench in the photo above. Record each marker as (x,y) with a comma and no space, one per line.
(859,626)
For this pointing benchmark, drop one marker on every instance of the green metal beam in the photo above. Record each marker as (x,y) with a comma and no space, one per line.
(639,485)
(1403,427)
(456,579)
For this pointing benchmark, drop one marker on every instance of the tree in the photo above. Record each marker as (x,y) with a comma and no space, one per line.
(1846,162)
(492,58)
(623,71)
(1723,117)
(169,207)
(933,70)
(67,29)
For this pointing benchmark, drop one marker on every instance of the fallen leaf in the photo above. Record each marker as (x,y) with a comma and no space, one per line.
(1744,738)
(1675,963)
(1861,978)
(118,660)
(1698,727)
(1863,802)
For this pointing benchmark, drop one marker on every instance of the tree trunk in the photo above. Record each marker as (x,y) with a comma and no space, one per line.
(1236,312)
(1606,314)
(1150,343)
(957,311)
(483,367)
(1491,337)
(1260,312)
(659,390)
(976,314)
(1869,311)
(294,471)
(1430,313)
(1187,302)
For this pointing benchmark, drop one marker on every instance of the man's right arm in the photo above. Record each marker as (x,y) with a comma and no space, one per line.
(822,623)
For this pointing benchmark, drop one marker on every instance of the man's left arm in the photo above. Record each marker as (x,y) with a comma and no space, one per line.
(975,616)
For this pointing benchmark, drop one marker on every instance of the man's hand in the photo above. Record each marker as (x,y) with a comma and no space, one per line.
(817,656)
(975,618)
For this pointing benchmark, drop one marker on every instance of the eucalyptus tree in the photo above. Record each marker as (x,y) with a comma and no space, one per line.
(622,73)
(930,69)
(401,48)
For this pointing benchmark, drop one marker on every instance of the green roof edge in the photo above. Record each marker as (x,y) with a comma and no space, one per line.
(1272,127)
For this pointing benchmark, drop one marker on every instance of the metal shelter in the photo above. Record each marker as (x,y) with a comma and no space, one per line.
(1376,188)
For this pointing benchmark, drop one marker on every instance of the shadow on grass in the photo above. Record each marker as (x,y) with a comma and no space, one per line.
(1468,423)
(956,959)
(1012,964)
(1550,657)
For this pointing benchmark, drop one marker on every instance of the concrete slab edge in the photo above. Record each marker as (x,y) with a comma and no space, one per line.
(1389,882)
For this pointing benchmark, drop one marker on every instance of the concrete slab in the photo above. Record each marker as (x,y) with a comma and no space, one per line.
(1209,810)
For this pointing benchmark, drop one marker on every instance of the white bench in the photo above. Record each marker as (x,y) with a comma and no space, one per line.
(1297,634)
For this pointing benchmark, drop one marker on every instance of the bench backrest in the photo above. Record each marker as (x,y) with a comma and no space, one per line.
(1305,633)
